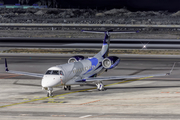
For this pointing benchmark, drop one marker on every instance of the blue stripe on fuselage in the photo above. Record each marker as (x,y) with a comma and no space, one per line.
(94,62)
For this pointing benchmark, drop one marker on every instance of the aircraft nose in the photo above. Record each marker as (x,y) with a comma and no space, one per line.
(50,81)
(44,83)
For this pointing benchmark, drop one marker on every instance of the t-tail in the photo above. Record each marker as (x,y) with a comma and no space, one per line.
(106,42)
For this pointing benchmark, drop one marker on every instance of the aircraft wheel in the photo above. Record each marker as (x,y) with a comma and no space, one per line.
(51,95)
(65,87)
(69,87)
(100,87)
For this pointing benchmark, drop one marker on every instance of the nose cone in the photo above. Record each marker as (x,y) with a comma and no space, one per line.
(50,80)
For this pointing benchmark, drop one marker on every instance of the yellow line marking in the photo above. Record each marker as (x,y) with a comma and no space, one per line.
(55,102)
(44,98)
(23,102)
(25,99)
(61,97)
(51,99)
(36,97)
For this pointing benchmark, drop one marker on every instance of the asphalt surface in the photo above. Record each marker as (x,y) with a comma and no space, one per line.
(150,98)
(89,43)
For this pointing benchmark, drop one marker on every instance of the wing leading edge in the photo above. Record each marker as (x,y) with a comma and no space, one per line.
(22,73)
(108,78)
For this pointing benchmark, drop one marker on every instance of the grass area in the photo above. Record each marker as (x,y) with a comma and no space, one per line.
(94,51)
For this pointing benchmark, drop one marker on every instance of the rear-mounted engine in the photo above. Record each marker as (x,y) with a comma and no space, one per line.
(110,62)
(75,59)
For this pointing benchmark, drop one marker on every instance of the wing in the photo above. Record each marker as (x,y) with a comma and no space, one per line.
(26,73)
(107,78)
(22,73)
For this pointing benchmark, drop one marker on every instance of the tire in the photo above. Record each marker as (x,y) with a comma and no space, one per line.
(51,95)
(69,88)
(65,88)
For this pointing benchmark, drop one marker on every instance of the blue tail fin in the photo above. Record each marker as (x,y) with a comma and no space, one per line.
(106,42)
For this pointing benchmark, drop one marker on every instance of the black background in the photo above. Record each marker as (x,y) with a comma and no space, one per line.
(133,5)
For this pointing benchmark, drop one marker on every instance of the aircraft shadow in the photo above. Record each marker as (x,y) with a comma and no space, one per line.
(139,71)
(24,84)
(162,80)
(142,69)
(147,87)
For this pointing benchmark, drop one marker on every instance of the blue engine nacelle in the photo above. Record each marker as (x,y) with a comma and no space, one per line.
(110,62)
(75,59)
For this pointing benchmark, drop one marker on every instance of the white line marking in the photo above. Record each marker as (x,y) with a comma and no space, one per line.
(85,116)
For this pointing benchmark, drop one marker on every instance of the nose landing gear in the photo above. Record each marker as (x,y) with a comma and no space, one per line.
(50,92)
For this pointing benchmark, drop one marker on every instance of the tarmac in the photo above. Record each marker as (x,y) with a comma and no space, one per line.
(134,99)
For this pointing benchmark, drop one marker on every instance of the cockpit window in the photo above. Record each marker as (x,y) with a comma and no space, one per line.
(48,72)
(54,72)
(61,73)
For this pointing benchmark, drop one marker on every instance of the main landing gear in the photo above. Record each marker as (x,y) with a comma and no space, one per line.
(50,92)
(100,86)
(68,87)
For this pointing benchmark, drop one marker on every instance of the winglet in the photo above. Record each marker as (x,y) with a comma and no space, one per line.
(6,67)
(171,69)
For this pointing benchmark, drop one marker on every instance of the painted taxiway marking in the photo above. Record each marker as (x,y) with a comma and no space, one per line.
(58,115)
(44,98)
(85,116)
(55,102)
(61,97)
(90,102)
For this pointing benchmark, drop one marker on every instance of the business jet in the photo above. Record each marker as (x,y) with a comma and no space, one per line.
(80,70)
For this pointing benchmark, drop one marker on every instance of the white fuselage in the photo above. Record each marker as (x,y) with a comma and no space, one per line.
(75,71)
(81,70)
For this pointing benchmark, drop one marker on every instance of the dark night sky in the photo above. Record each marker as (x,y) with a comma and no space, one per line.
(171,5)
(134,5)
